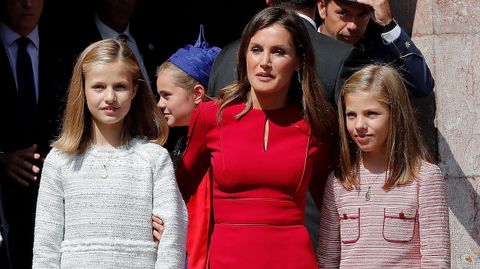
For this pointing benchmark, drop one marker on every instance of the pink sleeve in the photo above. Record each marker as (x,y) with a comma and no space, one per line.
(328,252)
(433,218)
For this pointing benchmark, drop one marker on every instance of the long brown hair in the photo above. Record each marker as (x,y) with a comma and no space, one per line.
(144,118)
(405,149)
(307,93)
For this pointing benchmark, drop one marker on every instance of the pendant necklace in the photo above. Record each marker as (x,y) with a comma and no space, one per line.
(103,171)
(368,193)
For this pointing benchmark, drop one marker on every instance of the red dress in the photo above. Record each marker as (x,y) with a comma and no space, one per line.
(258,194)
(199,225)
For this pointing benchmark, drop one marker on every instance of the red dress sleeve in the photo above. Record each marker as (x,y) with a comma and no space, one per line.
(196,158)
(324,162)
(195,184)
(200,224)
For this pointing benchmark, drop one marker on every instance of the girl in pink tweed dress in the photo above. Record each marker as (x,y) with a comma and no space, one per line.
(386,205)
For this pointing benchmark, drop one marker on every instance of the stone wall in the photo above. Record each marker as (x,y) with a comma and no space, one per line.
(447,33)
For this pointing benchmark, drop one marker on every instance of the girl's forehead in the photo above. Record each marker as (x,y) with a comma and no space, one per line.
(98,63)
(362,94)
(363,98)
(111,67)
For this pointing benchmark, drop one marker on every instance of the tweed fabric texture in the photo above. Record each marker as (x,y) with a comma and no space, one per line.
(88,220)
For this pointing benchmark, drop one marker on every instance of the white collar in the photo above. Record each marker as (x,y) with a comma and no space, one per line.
(107,32)
(9,36)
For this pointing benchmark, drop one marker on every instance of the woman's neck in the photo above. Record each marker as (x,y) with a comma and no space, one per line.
(268,101)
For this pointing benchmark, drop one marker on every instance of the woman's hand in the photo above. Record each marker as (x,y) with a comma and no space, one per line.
(157,229)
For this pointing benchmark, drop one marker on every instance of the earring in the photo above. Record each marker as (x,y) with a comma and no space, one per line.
(299,75)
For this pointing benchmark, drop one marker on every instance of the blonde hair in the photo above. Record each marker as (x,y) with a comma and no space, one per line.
(305,89)
(144,118)
(405,150)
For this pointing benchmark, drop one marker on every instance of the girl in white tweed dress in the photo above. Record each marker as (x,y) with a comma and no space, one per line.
(107,173)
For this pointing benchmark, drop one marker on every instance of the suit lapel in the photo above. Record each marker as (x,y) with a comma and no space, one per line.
(8,81)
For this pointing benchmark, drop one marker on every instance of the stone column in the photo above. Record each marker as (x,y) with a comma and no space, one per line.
(448,34)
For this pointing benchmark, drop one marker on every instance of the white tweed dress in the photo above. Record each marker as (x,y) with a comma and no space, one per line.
(94,210)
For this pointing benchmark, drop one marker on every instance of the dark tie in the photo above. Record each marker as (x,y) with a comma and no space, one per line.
(123,37)
(26,85)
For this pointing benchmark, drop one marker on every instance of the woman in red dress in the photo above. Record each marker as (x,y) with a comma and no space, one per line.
(267,138)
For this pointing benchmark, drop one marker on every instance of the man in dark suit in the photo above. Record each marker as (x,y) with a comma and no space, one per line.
(33,83)
(370,26)
(335,61)
(111,19)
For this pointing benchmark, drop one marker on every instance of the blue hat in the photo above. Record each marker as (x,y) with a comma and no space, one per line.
(196,60)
